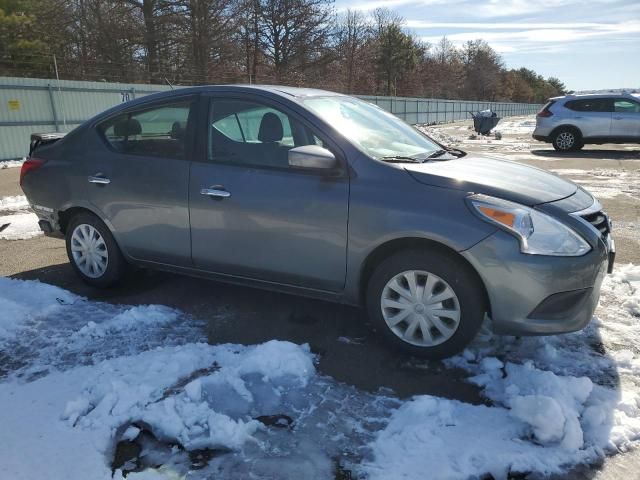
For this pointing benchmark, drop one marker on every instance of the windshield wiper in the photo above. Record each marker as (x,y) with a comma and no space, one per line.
(437,153)
(400,158)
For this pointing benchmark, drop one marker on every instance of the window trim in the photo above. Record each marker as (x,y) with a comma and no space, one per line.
(208,99)
(152,105)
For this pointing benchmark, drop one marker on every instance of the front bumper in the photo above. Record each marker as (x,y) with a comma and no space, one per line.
(535,294)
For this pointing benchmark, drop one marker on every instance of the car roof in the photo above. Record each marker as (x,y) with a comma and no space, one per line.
(280,90)
(582,96)
(291,93)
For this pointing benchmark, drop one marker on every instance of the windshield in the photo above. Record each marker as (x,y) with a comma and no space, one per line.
(377,132)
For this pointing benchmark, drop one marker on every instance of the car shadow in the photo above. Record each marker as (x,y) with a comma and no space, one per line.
(598,154)
(347,349)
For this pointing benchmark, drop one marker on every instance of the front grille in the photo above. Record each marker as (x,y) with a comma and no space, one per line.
(600,221)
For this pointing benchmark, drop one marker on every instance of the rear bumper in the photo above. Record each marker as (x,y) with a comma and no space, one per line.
(542,132)
(541,138)
(538,295)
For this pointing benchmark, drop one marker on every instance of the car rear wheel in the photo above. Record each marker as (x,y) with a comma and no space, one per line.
(428,304)
(567,140)
(93,252)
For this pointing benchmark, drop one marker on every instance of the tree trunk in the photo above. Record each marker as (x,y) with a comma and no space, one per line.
(151,40)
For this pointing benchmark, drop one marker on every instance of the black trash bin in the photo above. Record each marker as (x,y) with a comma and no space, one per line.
(483,124)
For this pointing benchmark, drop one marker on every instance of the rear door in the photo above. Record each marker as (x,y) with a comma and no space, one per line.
(626,119)
(140,179)
(591,115)
(276,223)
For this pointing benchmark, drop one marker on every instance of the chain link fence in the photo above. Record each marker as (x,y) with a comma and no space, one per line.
(28,105)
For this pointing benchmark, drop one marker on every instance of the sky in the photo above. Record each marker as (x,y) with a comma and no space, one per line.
(588,44)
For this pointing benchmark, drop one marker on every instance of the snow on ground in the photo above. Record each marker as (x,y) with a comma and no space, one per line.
(11,163)
(84,381)
(19,226)
(13,203)
(516,125)
(465,136)
(605,183)
(15,222)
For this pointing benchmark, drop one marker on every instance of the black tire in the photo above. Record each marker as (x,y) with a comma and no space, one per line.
(567,139)
(115,264)
(455,272)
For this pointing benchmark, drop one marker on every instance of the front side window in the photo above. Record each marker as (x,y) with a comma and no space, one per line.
(250,133)
(626,106)
(378,133)
(156,131)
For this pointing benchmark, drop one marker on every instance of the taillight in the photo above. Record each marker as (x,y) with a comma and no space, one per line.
(544,111)
(29,166)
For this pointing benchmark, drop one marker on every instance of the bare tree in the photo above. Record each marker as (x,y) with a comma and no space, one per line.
(294,34)
(353,34)
(281,41)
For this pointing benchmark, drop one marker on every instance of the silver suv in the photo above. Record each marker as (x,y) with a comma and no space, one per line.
(572,121)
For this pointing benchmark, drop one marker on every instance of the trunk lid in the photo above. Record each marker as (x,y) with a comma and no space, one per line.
(39,139)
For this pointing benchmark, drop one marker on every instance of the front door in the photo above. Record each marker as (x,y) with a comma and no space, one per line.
(252,215)
(626,119)
(139,180)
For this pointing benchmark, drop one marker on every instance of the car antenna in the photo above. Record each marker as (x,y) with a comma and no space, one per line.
(168,82)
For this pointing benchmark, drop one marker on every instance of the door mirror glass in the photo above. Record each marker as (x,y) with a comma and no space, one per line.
(312,156)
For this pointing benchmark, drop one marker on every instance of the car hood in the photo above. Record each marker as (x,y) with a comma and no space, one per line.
(499,178)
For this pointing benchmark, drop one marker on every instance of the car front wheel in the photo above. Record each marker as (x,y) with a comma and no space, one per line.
(93,252)
(428,304)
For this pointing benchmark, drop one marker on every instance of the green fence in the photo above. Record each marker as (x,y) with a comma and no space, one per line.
(40,105)
(434,110)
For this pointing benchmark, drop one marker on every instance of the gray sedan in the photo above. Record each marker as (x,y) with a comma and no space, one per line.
(320,194)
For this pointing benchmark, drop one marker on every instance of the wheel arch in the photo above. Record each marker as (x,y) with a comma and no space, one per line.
(394,246)
(68,212)
(566,126)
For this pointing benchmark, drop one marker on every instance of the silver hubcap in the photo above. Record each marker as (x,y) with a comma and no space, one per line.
(89,251)
(420,308)
(566,140)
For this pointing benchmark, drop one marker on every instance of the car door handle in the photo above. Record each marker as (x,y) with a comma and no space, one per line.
(617,118)
(217,191)
(99,179)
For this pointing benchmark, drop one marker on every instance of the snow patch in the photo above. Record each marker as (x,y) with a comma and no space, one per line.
(89,375)
(20,226)
(23,302)
(11,163)
(17,202)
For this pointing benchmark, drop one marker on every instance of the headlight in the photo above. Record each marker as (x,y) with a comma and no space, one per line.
(539,234)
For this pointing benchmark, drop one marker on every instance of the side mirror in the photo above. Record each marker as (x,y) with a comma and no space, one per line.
(312,156)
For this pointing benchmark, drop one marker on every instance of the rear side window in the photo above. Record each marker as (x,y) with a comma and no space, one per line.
(158,131)
(622,105)
(590,105)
